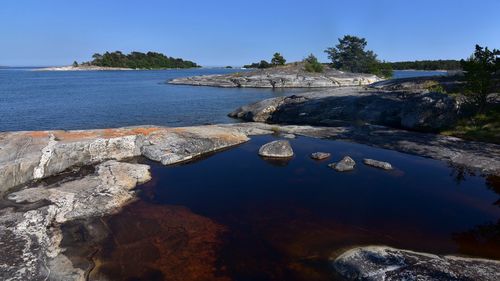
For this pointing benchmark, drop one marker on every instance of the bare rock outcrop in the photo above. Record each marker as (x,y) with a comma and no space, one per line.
(426,111)
(33,237)
(27,156)
(374,263)
(289,76)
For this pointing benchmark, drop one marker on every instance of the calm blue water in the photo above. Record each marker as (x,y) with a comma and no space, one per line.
(417,73)
(31,100)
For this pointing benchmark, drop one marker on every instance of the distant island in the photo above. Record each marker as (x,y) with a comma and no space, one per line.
(427,65)
(120,61)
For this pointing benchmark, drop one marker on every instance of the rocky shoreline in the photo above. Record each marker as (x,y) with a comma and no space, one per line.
(289,76)
(424,111)
(39,198)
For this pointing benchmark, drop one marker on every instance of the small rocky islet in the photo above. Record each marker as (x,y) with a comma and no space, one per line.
(52,178)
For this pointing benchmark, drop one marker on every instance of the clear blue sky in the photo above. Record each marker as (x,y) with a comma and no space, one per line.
(232,32)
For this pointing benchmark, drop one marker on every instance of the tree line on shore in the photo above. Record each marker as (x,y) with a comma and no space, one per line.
(137,60)
(350,54)
(427,65)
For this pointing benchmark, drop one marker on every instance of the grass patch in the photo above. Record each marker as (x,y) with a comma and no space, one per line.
(483,127)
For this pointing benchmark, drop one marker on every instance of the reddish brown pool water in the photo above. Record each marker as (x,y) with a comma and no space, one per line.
(236,216)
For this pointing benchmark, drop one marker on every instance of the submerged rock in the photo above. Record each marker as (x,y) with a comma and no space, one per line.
(346,164)
(276,149)
(320,155)
(378,164)
(376,263)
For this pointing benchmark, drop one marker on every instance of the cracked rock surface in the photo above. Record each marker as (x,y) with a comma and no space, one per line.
(377,263)
(33,236)
(290,76)
(38,201)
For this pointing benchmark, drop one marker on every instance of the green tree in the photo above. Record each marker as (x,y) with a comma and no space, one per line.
(311,64)
(481,72)
(138,60)
(75,64)
(264,64)
(350,55)
(278,59)
(381,69)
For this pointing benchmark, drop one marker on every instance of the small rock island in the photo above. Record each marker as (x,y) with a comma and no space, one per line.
(292,75)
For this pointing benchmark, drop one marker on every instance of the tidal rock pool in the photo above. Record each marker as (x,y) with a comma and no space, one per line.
(236,216)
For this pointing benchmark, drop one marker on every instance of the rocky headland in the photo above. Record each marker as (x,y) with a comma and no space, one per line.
(406,104)
(54,178)
(288,76)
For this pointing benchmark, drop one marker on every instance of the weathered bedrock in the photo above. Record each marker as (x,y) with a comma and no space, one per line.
(39,201)
(41,195)
(31,234)
(426,111)
(26,156)
(290,76)
(374,263)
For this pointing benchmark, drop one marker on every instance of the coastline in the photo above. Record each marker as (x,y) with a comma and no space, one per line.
(97,68)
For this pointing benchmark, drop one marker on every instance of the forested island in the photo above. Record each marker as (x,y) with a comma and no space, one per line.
(137,60)
(427,65)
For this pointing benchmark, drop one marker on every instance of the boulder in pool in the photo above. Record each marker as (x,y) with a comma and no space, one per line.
(377,164)
(320,155)
(276,149)
(346,164)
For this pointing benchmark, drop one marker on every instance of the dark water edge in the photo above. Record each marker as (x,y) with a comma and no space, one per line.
(236,216)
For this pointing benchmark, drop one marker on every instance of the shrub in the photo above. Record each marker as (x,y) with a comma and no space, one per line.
(311,64)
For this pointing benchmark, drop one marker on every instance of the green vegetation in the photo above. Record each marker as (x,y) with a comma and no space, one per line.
(278,59)
(262,64)
(479,127)
(138,60)
(482,75)
(350,55)
(427,65)
(75,64)
(311,64)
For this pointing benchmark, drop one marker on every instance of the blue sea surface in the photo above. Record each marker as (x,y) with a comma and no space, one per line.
(40,100)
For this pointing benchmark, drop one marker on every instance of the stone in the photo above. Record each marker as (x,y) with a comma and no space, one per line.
(377,263)
(424,111)
(27,156)
(33,236)
(276,149)
(378,164)
(171,146)
(289,76)
(288,136)
(320,155)
(346,164)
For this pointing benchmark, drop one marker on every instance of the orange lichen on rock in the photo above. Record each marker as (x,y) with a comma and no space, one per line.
(37,134)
